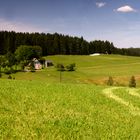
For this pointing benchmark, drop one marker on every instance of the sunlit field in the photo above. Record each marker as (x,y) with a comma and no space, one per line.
(89,69)
(39,110)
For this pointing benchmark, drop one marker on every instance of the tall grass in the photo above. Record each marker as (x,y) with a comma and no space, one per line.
(38,110)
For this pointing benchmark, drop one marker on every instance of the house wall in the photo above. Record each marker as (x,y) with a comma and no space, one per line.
(38,66)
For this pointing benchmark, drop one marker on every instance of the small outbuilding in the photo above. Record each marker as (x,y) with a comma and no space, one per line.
(48,63)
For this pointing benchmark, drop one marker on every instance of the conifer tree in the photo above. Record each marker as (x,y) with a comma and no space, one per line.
(110,81)
(132,82)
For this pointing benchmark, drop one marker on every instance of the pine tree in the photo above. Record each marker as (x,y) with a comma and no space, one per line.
(110,81)
(132,82)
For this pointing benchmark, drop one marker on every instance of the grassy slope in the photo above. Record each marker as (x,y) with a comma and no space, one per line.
(90,69)
(38,110)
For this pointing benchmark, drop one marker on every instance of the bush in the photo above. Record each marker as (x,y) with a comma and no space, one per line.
(60,67)
(110,81)
(22,64)
(132,82)
(6,71)
(12,70)
(0,75)
(9,77)
(71,67)
(32,67)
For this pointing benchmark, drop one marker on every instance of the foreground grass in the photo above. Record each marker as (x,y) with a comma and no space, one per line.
(38,110)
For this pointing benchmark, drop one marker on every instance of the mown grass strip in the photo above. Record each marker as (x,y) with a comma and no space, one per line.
(109,92)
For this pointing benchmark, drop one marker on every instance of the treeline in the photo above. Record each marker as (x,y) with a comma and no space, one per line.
(53,44)
(130,51)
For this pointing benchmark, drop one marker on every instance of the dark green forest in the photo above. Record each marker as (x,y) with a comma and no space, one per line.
(53,44)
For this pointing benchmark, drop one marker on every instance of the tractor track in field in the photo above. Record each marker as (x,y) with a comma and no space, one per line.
(108,92)
(133,92)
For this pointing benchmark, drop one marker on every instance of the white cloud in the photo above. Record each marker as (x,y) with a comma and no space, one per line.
(100,4)
(17,26)
(126,9)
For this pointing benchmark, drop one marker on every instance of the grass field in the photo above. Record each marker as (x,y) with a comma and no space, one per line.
(36,106)
(89,69)
(38,110)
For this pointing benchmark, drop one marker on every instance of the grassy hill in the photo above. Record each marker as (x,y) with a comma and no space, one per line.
(89,69)
(37,106)
(41,110)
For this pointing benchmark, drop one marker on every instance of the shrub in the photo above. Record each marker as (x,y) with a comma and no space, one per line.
(32,67)
(110,81)
(71,67)
(132,82)
(6,71)
(60,67)
(12,70)
(22,64)
(9,77)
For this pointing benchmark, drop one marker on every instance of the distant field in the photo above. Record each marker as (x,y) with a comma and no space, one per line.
(89,69)
(39,110)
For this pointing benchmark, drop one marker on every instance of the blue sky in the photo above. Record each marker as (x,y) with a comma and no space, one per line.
(115,20)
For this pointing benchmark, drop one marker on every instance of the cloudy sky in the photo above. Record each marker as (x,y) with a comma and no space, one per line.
(114,20)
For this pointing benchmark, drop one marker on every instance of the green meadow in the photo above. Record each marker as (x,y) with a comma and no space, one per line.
(38,110)
(37,106)
(89,69)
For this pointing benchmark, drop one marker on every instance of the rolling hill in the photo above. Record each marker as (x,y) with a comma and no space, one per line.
(37,106)
(89,69)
